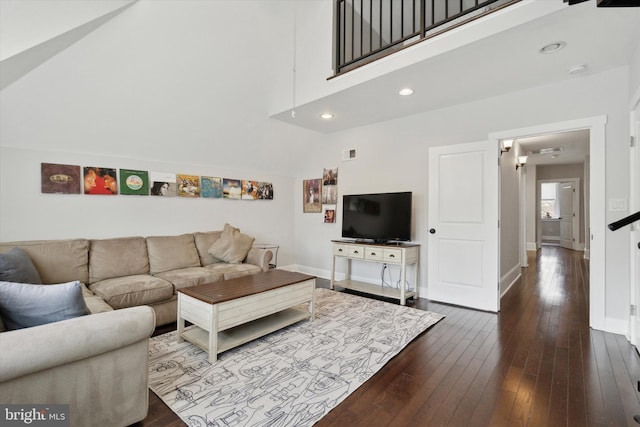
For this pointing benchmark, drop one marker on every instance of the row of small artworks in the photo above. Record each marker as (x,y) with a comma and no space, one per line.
(66,179)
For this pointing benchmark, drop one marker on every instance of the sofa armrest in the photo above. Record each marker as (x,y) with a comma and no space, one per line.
(30,350)
(260,257)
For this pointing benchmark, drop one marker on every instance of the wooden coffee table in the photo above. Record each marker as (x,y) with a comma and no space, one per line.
(232,312)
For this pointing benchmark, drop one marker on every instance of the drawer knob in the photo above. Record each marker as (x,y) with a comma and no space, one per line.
(339,250)
(356,252)
(392,256)
(373,253)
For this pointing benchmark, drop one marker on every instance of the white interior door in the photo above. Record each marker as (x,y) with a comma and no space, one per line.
(463,225)
(566,191)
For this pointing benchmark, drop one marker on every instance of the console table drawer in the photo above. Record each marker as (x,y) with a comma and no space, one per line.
(374,254)
(351,251)
(393,255)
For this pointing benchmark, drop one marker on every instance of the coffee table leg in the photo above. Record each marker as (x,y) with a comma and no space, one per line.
(312,303)
(213,334)
(180,322)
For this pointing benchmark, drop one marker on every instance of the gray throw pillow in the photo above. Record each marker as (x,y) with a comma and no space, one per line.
(232,246)
(24,305)
(16,266)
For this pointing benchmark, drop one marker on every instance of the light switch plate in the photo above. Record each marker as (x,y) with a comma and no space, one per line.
(617,205)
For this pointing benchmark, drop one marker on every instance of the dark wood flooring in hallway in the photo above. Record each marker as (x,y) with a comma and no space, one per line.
(537,363)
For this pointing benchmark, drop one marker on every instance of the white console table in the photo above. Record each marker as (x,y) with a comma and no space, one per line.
(401,254)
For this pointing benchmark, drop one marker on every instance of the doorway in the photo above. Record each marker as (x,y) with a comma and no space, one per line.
(560,212)
(595,221)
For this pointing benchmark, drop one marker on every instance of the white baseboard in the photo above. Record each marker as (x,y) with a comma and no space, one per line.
(551,238)
(616,326)
(532,246)
(586,253)
(318,272)
(509,279)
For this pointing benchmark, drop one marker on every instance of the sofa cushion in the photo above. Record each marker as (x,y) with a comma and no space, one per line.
(231,271)
(232,246)
(204,240)
(172,252)
(95,304)
(192,276)
(111,258)
(130,291)
(16,266)
(24,305)
(57,261)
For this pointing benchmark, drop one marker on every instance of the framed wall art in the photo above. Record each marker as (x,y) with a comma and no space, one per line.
(60,179)
(311,201)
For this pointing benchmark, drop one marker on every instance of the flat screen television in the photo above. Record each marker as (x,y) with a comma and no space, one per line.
(381,217)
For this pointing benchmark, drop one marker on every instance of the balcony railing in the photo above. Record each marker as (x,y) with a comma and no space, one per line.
(369,29)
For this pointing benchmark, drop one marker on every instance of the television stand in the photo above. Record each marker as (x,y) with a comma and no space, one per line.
(401,254)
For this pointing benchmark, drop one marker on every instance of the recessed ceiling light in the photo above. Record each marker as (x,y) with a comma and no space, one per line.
(552,47)
(406,91)
(326,116)
(577,69)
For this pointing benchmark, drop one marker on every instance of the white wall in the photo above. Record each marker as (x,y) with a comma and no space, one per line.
(634,76)
(159,87)
(392,156)
(509,219)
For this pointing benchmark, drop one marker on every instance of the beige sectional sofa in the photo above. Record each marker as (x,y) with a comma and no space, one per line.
(133,271)
(97,364)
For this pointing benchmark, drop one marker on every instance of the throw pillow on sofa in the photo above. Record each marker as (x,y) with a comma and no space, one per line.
(16,266)
(24,305)
(232,246)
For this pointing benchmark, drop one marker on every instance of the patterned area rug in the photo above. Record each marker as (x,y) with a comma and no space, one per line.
(292,377)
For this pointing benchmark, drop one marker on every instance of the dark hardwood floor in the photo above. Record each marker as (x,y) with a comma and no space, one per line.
(537,363)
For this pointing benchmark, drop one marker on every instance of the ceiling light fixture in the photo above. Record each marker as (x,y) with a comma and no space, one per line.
(326,116)
(552,47)
(406,91)
(577,69)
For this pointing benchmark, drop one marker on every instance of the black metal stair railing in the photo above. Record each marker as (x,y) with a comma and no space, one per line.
(369,29)
(624,221)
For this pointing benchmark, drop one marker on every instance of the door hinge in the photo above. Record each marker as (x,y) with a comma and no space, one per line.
(632,310)
(633,141)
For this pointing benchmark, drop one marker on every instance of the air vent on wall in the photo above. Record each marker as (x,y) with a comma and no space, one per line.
(349,154)
(547,150)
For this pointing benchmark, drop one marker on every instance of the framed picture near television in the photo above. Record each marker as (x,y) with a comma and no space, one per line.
(329,214)
(311,201)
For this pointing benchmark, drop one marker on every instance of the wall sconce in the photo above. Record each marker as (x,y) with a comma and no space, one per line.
(506,145)
(522,160)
